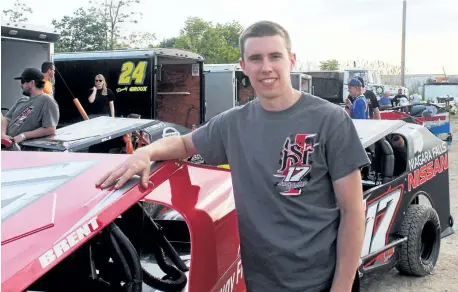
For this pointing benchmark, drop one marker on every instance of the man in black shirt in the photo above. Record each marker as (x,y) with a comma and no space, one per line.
(396,100)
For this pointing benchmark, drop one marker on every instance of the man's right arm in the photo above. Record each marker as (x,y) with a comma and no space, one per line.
(7,118)
(4,125)
(206,140)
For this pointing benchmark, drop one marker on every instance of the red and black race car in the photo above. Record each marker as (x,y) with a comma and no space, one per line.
(61,233)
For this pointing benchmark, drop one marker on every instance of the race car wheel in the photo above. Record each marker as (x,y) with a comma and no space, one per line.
(418,255)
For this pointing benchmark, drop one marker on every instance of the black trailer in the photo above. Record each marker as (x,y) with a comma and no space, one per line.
(159,84)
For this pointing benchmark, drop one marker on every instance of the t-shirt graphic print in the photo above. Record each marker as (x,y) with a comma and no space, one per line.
(295,164)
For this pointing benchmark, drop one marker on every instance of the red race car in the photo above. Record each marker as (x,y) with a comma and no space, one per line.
(61,233)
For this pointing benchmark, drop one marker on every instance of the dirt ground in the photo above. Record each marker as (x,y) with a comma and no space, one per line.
(445,278)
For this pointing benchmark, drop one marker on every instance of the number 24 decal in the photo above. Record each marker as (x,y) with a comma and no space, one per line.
(131,72)
(379,217)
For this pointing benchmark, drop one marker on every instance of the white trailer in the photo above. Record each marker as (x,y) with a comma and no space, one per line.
(226,86)
(23,46)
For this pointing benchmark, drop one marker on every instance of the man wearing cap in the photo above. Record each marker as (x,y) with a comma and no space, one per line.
(371,98)
(35,114)
(358,109)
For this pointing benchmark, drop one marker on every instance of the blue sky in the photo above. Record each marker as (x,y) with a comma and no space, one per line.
(324,29)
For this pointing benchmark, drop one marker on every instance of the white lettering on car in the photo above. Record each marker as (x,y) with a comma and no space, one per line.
(233,280)
(379,217)
(427,155)
(64,245)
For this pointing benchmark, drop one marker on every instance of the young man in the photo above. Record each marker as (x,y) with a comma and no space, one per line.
(356,107)
(295,161)
(35,114)
(47,68)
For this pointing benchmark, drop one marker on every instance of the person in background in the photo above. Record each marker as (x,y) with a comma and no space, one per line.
(359,108)
(101,99)
(47,68)
(372,102)
(34,115)
(397,98)
(385,101)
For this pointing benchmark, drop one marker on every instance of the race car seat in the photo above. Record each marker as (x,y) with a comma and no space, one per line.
(385,156)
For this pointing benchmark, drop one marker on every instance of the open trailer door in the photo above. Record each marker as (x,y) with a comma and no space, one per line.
(23,46)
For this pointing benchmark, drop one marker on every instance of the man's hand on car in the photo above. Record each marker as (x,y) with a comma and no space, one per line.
(7,137)
(138,163)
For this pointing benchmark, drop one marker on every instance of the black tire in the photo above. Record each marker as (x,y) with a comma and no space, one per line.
(418,255)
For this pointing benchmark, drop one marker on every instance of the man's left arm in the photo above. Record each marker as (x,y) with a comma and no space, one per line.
(37,133)
(345,157)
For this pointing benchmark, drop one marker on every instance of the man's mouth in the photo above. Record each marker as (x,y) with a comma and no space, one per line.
(268,81)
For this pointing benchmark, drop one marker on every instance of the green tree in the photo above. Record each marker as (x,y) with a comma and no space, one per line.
(216,43)
(18,13)
(167,43)
(329,65)
(99,27)
(115,13)
(83,31)
(138,40)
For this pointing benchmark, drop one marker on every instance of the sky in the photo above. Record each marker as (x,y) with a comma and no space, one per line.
(320,29)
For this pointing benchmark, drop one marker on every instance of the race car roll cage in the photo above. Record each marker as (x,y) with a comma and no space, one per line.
(381,155)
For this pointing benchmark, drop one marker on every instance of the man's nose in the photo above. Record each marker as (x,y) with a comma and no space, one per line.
(266,65)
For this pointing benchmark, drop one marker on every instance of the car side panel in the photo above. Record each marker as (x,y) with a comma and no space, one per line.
(427,168)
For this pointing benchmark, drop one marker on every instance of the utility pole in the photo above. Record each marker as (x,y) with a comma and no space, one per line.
(403,49)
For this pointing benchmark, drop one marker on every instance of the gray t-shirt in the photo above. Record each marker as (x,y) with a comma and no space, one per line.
(283,164)
(31,113)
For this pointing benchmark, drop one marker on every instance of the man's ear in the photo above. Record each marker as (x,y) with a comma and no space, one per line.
(292,57)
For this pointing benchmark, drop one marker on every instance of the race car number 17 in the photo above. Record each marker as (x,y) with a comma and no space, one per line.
(379,219)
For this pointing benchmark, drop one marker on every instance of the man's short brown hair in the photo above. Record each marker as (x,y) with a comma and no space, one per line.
(263,29)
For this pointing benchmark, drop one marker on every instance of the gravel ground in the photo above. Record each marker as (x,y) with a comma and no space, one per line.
(445,277)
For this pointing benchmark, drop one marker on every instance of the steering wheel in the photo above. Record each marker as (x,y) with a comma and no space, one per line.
(10,145)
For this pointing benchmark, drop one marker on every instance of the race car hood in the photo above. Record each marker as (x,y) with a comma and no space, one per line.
(51,206)
(370,131)
(45,198)
(89,132)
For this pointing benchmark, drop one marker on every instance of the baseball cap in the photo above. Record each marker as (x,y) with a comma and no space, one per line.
(31,74)
(360,80)
(354,82)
